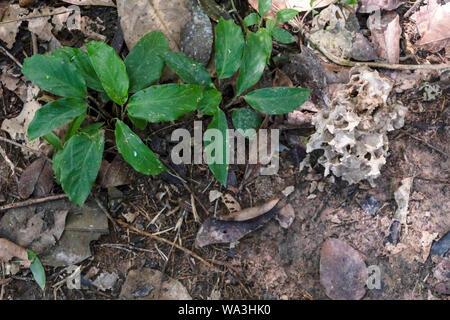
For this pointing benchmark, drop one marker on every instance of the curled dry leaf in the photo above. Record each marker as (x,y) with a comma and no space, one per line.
(343,272)
(115,173)
(220,231)
(108,3)
(9,250)
(386,32)
(402,199)
(37,178)
(139,17)
(433,23)
(231,203)
(251,213)
(368,6)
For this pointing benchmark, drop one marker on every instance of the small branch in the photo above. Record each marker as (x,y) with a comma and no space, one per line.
(32,202)
(427,144)
(412,9)
(106,213)
(34,17)
(36,152)
(11,56)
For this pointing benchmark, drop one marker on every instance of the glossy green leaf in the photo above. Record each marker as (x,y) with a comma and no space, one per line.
(57,165)
(188,70)
(165,102)
(286,14)
(135,152)
(219,167)
(139,123)
(54,140)
(245,119)
(77,165)
(277,100)
(270,23)
(253,61)
(80,59)
(350,2)
(92,129)
(282,36)
(37,269)
(251,19)
(229,48)
(210,102)
(55,75)
(266,38)
(110,70)
(264,7)
(55,114)
(144,64)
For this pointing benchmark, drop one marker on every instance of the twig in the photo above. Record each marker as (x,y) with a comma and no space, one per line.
(412,9)
(106,213)
(34,17)
(349,63)
(36,152)
(427,144)
(10,164)
(11,56)
(32,202)
(154,237)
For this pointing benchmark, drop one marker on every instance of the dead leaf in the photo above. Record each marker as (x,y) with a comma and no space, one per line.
(9,250)
(108,3)
(250,213)
(139,17)
(286,216)
(368,6)
(433,23)
(281,79)
(106,281)
(38,178)
(8,31)
(385,35)
(402,199)
(442,274)
(231,203)
(214,195)
(151,284)
(343,272)
(115,173)
(220,231)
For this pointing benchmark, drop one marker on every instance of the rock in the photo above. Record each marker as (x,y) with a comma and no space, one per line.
(146,284)
(442,246)
(196,37)
(106,281)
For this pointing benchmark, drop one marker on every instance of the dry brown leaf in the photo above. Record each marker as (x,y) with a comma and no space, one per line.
(9,250)
(37,177)
(250,213)
(231,203)
(368,6)
(139,17)
(386,34)
(433,23)
(8,31)
(343,272)
(115,173)
(108,3)
(286,216)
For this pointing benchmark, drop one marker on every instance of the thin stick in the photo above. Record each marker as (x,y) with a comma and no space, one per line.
(32,201)
(106,213)
(152,236)
(412,9)
(36,152)
(11,56)
(34,17)
(427,144)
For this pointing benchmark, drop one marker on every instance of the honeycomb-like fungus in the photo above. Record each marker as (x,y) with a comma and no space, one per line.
(353,132)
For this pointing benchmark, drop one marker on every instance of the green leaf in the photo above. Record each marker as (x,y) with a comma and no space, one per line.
(282,36)
(37,269)
(286,14)
(55,114)
(55,75)
(92,129)
(250,20)
(78,163)
(270,24)
(135,152)
(165,102)
(219,167)
(190,71)
(244,119)
(210,102)
(139,123)
(253,61)
(54,140)
(74,126)
(110,70)
(267,40)
(57,165)
(350,2)
(80,59)
(144,64)
(277,100)
(229,48)
(264,7)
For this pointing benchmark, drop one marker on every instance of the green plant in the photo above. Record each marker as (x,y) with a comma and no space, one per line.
(68,72)
(37,269)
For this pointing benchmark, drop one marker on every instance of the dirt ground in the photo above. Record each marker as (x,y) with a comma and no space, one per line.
(270,262)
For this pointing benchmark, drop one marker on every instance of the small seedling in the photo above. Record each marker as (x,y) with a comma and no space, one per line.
(73,74)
